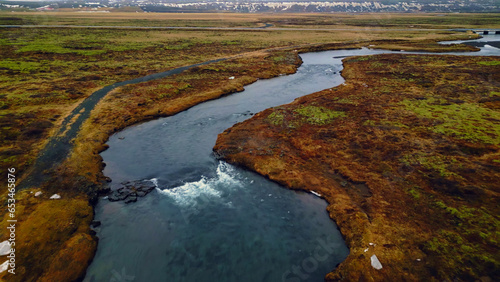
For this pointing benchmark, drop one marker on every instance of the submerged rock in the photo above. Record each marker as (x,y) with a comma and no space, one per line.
(131,198)
(95,224)
(131,190)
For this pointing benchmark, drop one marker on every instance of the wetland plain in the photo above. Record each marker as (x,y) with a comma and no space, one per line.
(419,132)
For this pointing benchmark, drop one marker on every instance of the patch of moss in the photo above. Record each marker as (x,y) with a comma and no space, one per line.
(349,100)
(359,59)
(66,264)
(377,65)
(468,259)
(22,66)
(438,163)
(469,242)
(467,121)
(369,122)
(47,230)
(279,59)
(414,193)
(58,49)
(231,42)
(319,115)
(489,63)
(276,118)
(179,46)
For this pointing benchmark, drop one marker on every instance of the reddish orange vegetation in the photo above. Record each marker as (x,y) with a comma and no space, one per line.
(53,239)
(164,97)
(69,260)
(406,152)
(46,72)
(79,178)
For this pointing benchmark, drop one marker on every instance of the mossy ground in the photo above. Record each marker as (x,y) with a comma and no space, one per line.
(46,72)
(164,97)
(127,16)
(52,236)
(417,141)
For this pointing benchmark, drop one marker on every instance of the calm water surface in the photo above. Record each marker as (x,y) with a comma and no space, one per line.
(210,221)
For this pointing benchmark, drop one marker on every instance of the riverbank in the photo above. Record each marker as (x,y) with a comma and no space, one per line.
(176,97)
(406,152)
(80,175)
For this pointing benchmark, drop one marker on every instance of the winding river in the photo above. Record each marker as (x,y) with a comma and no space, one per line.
(208,220)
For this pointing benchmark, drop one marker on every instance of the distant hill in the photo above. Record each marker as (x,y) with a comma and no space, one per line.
(255,6)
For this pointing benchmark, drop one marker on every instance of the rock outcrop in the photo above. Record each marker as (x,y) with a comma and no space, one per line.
(131,190)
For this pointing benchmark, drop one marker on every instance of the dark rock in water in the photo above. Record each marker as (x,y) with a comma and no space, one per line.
(131,190)
(118,195)
(104,190)
(131,198)
(95,224)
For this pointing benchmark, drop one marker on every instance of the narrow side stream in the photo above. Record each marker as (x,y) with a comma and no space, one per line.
(207,220)
(60,145)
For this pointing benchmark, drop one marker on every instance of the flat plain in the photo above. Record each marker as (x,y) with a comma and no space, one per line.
(45,72)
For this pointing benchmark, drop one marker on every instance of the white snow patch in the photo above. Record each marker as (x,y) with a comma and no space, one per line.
(4,248)
(4,266)
(315,193)
(376,263)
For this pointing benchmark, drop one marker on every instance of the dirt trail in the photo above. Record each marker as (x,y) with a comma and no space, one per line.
(60,145)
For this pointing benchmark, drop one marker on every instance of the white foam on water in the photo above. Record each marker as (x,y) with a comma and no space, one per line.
(229,204)
(489,46)
(188,193)
(155,181)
